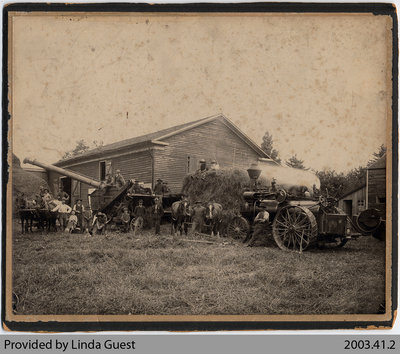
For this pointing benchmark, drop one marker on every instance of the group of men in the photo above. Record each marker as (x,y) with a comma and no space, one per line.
(117,180)
(139,215)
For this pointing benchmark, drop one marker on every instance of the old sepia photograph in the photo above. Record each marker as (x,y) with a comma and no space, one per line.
(221,166)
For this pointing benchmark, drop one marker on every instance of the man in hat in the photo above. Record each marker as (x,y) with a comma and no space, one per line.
(203,166)
(79,210)
(99,224)
(157,212)
(139,213)
(125,220)
(46,197)
(261,224)
(119,180)
(87,218)
(198,216)
(158,188)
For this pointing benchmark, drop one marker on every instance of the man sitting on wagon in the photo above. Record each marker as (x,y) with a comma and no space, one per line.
(159,188)
(119,180)
(261,224)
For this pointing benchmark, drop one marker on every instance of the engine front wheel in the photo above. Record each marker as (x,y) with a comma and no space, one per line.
(239,228)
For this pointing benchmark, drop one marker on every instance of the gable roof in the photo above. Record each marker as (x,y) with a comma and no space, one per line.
(378,164)
(353,190)
(157,137)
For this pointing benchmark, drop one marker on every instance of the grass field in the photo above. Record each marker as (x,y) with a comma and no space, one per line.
(118,274)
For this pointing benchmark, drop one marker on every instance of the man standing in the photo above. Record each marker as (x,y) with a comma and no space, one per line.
(158,188)
(125,219)
(63,213)
(63,196)
(198,215)
(139,214)
(87,218)
(157,212)
(79,210)
(119,180)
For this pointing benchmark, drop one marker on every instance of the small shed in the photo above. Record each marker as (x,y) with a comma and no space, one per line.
(371,194)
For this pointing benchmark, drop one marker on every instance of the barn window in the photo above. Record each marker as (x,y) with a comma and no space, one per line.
(361,203)
(381,200)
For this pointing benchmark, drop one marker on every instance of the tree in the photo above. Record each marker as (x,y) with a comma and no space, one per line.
(80,148)
(332,182)
(267,146)
(355,178)
(378,154)
(295,162)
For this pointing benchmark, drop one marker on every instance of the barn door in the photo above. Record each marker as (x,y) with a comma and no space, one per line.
(75,191)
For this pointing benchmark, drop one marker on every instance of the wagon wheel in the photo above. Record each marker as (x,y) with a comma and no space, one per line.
(294,228)
(239,228)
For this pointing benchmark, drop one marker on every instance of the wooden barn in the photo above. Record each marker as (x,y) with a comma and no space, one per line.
(168,154)
(370,194)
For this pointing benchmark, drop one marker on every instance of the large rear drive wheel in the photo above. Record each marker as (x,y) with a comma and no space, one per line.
(294,228)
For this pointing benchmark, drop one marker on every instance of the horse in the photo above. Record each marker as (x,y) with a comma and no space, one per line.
(180,214)
(25,212)
(214,217)
(47,218)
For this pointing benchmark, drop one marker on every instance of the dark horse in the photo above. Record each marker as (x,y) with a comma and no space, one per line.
(214,217)
(26,212)
(180,215)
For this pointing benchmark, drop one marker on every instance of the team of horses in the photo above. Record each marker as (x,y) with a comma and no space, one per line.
(182,213)
(32,211)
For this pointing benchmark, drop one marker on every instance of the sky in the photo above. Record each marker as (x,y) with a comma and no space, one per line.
(319,84)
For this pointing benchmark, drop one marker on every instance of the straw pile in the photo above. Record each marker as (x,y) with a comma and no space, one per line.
(25,182)
(222,186)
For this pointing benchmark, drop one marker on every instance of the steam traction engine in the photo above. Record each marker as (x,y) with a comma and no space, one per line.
(300,218)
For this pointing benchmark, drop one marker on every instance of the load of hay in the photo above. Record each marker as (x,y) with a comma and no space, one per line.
(24,181)
(221,186)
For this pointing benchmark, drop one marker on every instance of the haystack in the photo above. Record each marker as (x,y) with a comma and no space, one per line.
(24,181)
(222,186)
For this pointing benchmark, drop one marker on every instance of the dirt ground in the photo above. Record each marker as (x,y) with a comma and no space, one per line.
(117,273)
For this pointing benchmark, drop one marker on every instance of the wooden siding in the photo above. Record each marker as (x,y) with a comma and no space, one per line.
(213,140)
(136,165)
(377,190)
(358,201)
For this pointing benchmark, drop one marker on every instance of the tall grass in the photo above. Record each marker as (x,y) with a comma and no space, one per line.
(119,274)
